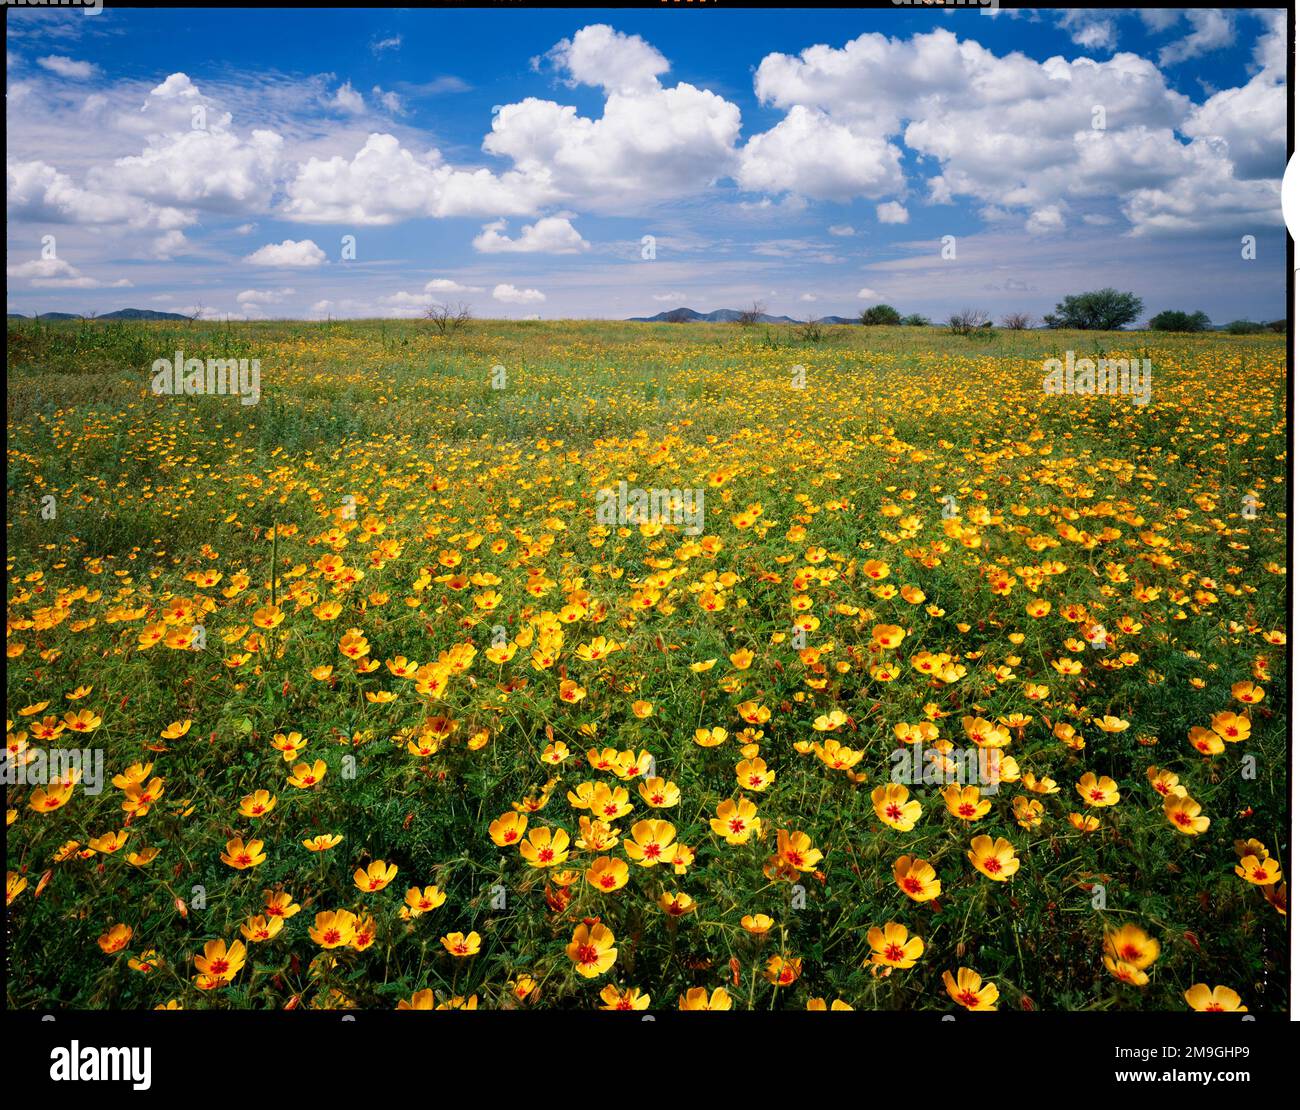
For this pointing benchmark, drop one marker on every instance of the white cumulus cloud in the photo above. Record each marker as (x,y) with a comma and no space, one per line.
(302,253)
(552,235)
(508,294)
(601,56)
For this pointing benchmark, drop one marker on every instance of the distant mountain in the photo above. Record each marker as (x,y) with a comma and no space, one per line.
(120,314)
(690,316)
(724,316)
(141,314)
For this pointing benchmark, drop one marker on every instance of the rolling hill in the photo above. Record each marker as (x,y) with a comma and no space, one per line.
(725,316)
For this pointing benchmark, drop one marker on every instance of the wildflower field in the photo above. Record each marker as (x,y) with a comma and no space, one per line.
(392,716)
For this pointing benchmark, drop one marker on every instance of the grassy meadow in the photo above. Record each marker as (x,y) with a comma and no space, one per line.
(390,716)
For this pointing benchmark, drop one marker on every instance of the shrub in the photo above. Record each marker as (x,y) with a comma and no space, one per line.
(1172,320)
(1101,310)
(967,321)
(881,314)
(810,331)
(447,320)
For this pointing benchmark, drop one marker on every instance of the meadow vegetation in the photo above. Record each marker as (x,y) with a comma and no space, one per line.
(390,718)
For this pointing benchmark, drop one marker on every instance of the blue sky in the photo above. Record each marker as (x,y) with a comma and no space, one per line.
(517,160)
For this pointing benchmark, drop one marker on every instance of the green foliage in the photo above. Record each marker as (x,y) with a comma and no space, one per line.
(1173,320)
(881,314)
(1101,310)
(1078,500)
